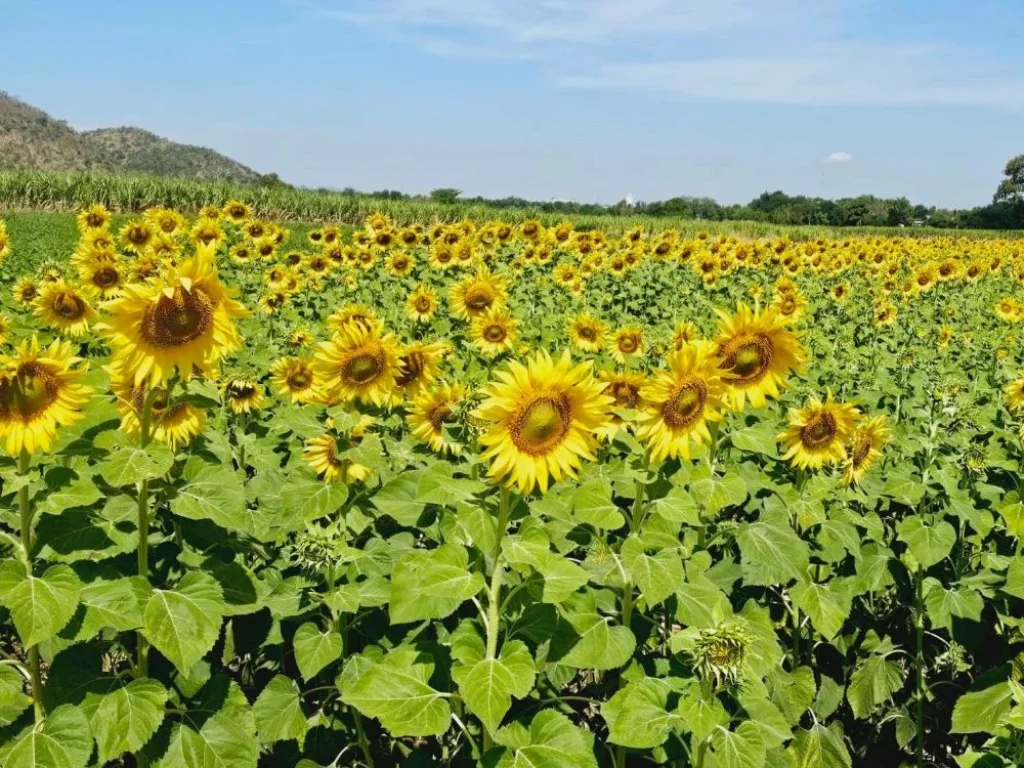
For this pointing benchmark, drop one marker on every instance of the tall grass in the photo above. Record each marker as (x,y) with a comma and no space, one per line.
(55,191)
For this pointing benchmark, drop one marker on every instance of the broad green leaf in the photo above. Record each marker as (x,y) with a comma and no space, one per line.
(981,711)
(742,748)
(928,543)
(307,498)
(943,604)
(227,739)
(820,747)
(183,623)
(488,685)
(700,603)
(215,493)
(759,438)
(278,712)
(81,492)
(126,463)
(314,649)
(792,692)
(657,575)
(713,494)
(701,714)
(1013,518)
(1015,578)
(772,554)
(62,740)
(127,718)
(873,682)
(592,504)
(677,506)
(561,577)
(432,584)
(13,699)
(826,607)
(637,715)
(40,605)
(396,691)
(551,742)
(110,604)
(595,644)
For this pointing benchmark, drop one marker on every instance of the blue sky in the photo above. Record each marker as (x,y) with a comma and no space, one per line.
(580,99)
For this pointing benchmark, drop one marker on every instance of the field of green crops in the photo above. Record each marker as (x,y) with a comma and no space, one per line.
(419,491)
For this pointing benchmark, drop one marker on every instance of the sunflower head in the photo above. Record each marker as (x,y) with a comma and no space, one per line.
(322,454)
(63,307)
(627,344)
(433,412)
(358,364)
(94,218)
(818,433)
(295,378)
(719,653)
(243,395)
(421,304)
(865,448)
(476,295)
(586,332)
(494,332)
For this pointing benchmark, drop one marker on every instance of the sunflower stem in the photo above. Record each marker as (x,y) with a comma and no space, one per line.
(919,661)
(142,645)
(25,505)
(494,591)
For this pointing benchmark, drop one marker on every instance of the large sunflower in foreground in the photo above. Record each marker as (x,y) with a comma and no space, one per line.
(172,423)
(476,295)
(818,433)
(540,420)
(431,411)
(38,393)
(357,364)
(294,377)
(680,401)
(182,321)
(865,448)
(758,352)
(63,307)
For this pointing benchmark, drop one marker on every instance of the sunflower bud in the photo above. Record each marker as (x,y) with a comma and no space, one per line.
(719,653)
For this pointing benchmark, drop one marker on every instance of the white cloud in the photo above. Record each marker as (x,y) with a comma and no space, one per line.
(839,157)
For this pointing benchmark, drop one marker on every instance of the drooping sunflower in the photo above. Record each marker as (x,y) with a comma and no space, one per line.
(818,433)
(358,364)
(273,301)
(182,321)
(758,352)
(1015,393)
(321,453)
(586,332)
(295,377)
(95,217)
(421,304)
(243,395)
(39,392)
(541,420)
(476,295)
(624,387)
(626,344)
(681,400)
(865,448)
(300,337)
(63,307)
(683,334)
(494,332)
(431,410)
(172,423)
(418,366)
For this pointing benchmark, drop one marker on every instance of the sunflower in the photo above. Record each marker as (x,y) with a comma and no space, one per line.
(540,420)
(884,314)
(165,220)
(684,333)
(421,304)
(161,247)
(210,212)
(399,264)
(354,314)
(757,353)
(243,395)
(680,401)
(1015,393)
(315,237)
(357,364)
(586,332)
(818,433)
(103,278)
(143,267)
(865,448)
(26,291)
(476,295)
(172,423)
(136,235)
(624,388)
(38,393)
(627,344)
(95,217)
(179,322)
(840,292)
(296,378)
(494,332)
(924,279)
(63,307)
(242,253)
(321,453)
(237,212)
(431,410)
(442,256)
(791,306)
(5,328)
(300,337)
(271,302)
(330,234)
(1007,310)
(51,275)
(418,366)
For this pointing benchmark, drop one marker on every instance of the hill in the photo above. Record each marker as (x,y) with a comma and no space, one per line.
(30,139)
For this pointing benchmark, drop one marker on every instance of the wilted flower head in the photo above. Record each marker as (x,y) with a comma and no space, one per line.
(719,653)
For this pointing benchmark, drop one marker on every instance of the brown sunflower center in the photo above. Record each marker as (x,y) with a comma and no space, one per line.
(300,380)
(819,431)
(628,344)
(106,277)
(748,357)
(542,425)
(411,367)
(400,262)
(586,333)
(440,415)
(138,235)
(168,225)
(687,405)
(861,449)
(422,304)
(68,306)
(241,390)
(364,368)
(179,319)
(626,395)
(479,298)
(95,220)
(29,393)
(495,333)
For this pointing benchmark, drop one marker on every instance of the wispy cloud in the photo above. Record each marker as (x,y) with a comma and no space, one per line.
(839,157)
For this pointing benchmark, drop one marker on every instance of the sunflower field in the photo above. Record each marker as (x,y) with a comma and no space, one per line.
(508,494)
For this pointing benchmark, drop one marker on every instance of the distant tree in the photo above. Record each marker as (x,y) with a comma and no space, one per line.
(1011,189)
(901,212)
(445,195)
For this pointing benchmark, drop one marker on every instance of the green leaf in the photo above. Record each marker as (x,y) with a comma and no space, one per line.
(62,740)
(314,649)
(713,494)
(820,747)
(637,715)
(40,606)
(126,463)
(184,623)
(677,506)
(943,604)
(928,543)
(742,748)
(551,742)
(487,687)
(81,492)
(13,699)
(826,609)
(561,577)
(307,498)
(227,739)
(792,692)
(126,718)
(396,691)
(759,438)
(592,504)
(593,642)
(215,493)
(278,712)
(981,711)
(658,575)
(700,603)
(872,683)
(702,715)
(771,554)
(112,604)
(432,584)
(1013,518)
